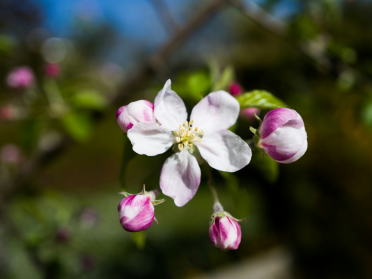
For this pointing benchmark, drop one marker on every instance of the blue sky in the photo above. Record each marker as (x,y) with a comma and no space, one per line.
(135,20)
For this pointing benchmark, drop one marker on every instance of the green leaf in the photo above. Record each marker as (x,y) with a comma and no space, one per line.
(266,165)
(77,125)
(198,83)
(128,155)
(259,99)
(225,79)
(7,44)
(89,100)
(140,239)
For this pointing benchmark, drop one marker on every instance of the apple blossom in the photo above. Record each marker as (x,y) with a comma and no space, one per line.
(20,78)
(206,133)
(249,114)
(235,89)
(52,70)
(283,136)
(224,230)
(135,112)
(136,212)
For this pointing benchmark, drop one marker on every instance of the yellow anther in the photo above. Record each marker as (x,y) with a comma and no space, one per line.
(183,134)
(180,127)
(182,130)
(190,145)
(196,129)
(176,133)
(193,136)
(201,132)
(191,122)
(186,123)
(180,146)
(178,139)
(185,143)
(199,140)
(189,128)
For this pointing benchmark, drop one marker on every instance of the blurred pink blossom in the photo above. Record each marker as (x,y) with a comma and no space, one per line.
(6,112)
(20,78)
(235,89)
(10,154)
(248,114)
(52,70)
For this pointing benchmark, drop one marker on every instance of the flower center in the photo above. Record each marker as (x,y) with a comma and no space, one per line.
(186,135)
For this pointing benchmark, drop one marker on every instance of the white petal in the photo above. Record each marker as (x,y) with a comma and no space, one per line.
(170,110)
(150,138)
(217,111)
(225,151)
(180,177)
(286,144)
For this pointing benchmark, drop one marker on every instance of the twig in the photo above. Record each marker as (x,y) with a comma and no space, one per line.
(165,16)
(154,63)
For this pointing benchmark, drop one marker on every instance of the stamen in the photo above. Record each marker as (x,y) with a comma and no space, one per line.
(193,136)
(185,143)
(196,129)
(199,140)
(201,132)
(191,122)
(182,130)
(180,146)
(176,133)
(186,123)
(189,128)
(190,145)
(178,139)
(183,134)
(180,127)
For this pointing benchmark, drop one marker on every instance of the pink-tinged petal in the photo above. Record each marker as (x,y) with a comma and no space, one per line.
(136,213)
(285,144)
(170,110)
(135,112)
(150,138)
(214,235)
(235,244)
(225,151)
(279,117)
(297,156)
(228,232)
(217,111)
(180,177)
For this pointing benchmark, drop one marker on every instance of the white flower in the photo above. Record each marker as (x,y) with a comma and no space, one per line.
(206,132)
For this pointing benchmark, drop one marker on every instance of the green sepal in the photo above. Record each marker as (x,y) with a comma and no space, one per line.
(157,202)
(253,130)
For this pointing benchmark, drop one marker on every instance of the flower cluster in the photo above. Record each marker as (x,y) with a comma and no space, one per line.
(155,128)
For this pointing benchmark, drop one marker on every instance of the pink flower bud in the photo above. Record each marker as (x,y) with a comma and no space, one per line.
(135,112)
(235,89)
(20,78)
(136,213)
(52,70)
(248,114)
(224,231)
(283,135)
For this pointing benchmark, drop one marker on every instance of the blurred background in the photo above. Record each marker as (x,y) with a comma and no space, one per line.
(67,66)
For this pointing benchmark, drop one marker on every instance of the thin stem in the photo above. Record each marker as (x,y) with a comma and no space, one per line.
(211,187)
